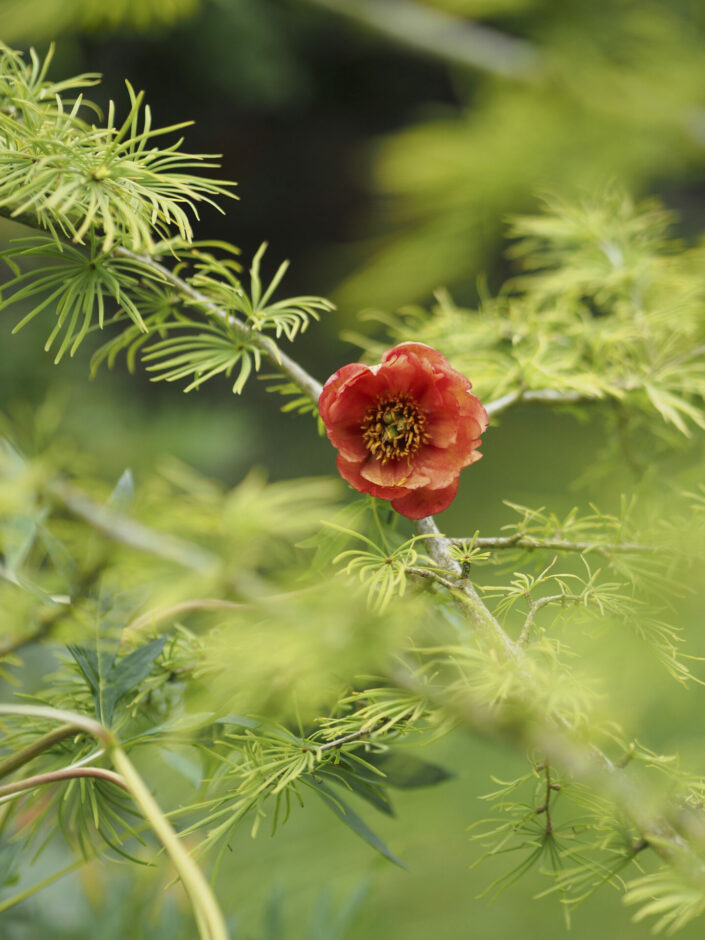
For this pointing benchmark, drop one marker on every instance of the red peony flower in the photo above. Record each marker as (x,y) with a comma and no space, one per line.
(404,429)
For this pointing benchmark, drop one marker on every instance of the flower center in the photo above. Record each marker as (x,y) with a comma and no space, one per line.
(394,428)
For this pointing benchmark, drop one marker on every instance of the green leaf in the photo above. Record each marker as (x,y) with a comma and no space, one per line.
(95,665)
(407,772)
(109,680)
(124,492)
(352,820)
(369,789)
(129,671)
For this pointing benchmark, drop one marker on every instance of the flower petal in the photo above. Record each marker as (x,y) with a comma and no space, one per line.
(350,471)
(442,426)
(426,501)
(336,385)
(421,350)
(393,473)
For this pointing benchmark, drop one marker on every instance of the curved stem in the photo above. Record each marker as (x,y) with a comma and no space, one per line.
(58,776)
(536,606)
(212,925)
(209,918)
(75,719)
(33,750)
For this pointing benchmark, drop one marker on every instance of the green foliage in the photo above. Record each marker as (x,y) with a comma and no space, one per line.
(608,312)
(45,19)
(77,286)
(76,178)
(126,202)
(564,830)
(381,570)
(109,680)
(616,95)
(259,644)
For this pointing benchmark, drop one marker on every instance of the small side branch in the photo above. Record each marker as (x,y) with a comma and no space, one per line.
(428,574)
(339,742)
(289,367)
(435,33)
(59,776)
(544,396)
(439,547)
(121,528)
(536,606)
(37,747)
(267,346)
(530,543)
(550,788)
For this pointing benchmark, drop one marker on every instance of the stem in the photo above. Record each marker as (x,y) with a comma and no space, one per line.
(284,363)
(428,574)
(548,396)
(454,41)
(123,529)
(439,547)
(536,606)
(554,544)
(265,344)
(546,808)
(212,925)
(152,617)
(33,750)
(57,776)
(210,921)
(332,745)
(583,762)
(78,721)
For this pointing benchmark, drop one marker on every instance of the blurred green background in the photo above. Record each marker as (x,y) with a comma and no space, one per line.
(381,145)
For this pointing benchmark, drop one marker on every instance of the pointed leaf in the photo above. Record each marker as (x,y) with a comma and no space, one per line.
(353,821)
(373,793)
(407,772)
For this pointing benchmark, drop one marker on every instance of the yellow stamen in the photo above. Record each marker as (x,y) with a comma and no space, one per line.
(394,428)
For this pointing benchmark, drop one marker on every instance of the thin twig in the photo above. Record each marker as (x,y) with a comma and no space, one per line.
(583,762)
(536,606)
(251,337)
(121,528)
(555,544)
(152,617)
(428,574)
(550,787)
(439,547)
(346,739)
(34,749)
(438,34)
(264,344)
(59,776)
(547,396)
(79,721)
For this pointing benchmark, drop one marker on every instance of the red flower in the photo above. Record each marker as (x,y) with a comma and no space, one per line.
(404,429)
